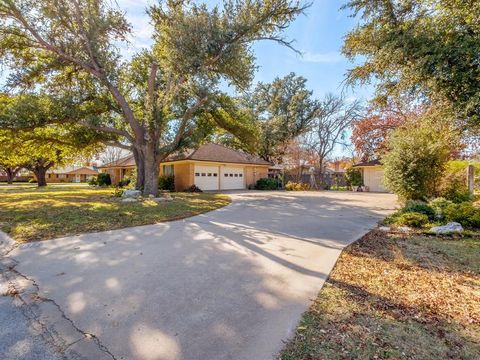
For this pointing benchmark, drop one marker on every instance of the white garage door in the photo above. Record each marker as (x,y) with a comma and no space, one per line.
(373,178)
(232,178)
(206,177)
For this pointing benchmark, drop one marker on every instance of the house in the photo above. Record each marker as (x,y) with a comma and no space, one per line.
(372,175)
(209,167)
(71,174)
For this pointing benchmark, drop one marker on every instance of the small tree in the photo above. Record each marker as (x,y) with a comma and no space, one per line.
(353,177)
(417,157)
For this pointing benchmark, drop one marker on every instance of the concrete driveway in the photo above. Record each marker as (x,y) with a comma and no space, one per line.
(230,284)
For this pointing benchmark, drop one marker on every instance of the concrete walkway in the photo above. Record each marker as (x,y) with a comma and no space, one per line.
(230,284)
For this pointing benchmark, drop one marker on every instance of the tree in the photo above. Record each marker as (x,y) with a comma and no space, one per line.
(417,155)
(152,102)
(111,154)
(285,110)
(335,117)
(43,148)
(370,133)
(10,162)
(427,48)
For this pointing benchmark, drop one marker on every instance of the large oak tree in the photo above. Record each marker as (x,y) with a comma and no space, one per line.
(152,101)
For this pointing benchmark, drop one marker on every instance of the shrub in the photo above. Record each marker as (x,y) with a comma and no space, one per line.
(93,181)
(416,159)
(465,213)
(415,206)
(166,183)
(118,192)
(439,205)
(129,180)
(454,182)
(412,219)
(267,184)
(103,179)
(353,177)
(293,186)
(193,189)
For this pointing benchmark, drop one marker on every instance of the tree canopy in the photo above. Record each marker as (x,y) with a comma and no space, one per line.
(428,49)
(154,102)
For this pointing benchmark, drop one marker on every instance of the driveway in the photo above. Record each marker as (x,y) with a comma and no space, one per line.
(229,284)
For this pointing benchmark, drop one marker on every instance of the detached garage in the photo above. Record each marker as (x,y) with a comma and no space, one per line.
(372,174)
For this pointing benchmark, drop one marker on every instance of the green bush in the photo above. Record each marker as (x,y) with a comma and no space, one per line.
(267,184)
(166,183)
(353,177)
(416,159)
(93,181)
(293,186)
(439,205)
(103,179)
(412,219)
(118,192)
(464,213)
(415,206)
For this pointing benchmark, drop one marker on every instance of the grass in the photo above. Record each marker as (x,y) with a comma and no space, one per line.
(396,296)
(32,214)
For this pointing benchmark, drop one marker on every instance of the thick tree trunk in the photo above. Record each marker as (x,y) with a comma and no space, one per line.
(140,168)
(40,173)
(151,170)
(11,173)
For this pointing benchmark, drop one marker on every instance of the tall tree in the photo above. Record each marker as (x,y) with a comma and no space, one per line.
(334,119)
(428,48)
(285,110)
(10,161)
(154,100)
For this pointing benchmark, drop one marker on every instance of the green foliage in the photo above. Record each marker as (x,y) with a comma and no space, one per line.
(166,183)
(93,181)
(412,219)
(285,110)
(103,179)
(353,177)
(419,207)
(464,213)
(439,205)
(454,182)
(118,192)
(422,47)
(267,184)
(293,186)
(416,160)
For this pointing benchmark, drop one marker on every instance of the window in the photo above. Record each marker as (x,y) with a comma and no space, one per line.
(209,174)
(215,174)
(231,175)
(168,170)
(226,175)
(203,174)
(236,175)
(240,175)
(197,174)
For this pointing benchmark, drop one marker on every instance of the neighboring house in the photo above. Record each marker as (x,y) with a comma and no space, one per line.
(210,167)
(22,176)
(71,174)
(372,174)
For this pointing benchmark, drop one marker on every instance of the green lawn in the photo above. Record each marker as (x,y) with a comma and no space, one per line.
(31,214)
(393,296)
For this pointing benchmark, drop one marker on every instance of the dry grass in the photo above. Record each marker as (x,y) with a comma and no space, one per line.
(31,214)
(394,296)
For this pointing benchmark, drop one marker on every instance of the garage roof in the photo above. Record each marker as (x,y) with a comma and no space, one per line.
(207,152)
(375,162)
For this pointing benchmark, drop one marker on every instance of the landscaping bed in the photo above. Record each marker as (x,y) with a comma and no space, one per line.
(396,296)
(55,211)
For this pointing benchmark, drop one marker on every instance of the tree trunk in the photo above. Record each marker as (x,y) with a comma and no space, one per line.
(151,170)
(11,173)
(40,172)
(140,168)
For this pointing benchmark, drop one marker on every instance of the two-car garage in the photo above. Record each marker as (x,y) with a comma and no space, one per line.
(208,177)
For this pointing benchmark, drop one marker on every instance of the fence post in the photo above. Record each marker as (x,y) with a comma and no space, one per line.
(470,178)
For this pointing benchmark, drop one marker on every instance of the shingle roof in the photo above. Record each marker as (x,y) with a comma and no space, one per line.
(207,152)
(73,170)
(375,162)
(218,153)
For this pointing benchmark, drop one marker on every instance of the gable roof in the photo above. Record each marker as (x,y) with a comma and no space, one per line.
(73,170)
(218,153)
(207,152)
(375,162)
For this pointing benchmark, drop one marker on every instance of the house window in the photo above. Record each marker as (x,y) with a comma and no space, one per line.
(209,174)
(226,175)
(240,175)
(231,175)
(197,174)
(215,174)
(236,175)
(203,174)
(168,170)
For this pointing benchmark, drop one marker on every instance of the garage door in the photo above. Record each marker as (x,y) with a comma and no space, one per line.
(232,178)
(373,178)
(206,177)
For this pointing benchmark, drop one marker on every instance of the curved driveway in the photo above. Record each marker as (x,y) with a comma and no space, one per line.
(230,284)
